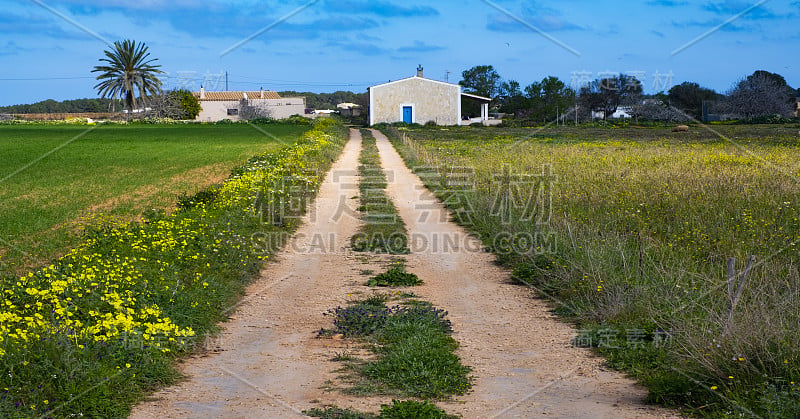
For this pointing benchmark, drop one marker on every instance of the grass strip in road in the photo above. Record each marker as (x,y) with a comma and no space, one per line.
(397,410)
(383,230)
(395,276)
(413,346)
(92,333)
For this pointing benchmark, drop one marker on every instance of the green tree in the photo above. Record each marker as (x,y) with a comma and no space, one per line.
(689,97)
(127,72)
(548,98)
(481,80)
(511,98)
(189,104)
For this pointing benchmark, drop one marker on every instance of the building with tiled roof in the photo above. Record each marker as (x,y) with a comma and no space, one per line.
(216,106)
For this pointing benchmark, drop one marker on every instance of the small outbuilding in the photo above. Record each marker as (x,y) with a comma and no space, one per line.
(418,100)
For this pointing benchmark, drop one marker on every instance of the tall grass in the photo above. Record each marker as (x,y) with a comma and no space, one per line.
(635,245)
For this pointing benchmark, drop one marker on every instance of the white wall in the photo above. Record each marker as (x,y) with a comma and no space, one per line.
(430,100)
(213,110)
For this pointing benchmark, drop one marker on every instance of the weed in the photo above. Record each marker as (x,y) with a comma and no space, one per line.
(415,352)
(397,410)
(395,276)
(413,409)
(333,412)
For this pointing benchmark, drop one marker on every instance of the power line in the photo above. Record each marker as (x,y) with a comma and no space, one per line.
(232,80)
(47,78)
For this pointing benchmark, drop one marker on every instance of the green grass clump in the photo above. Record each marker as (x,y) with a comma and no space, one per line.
(333,412)
(628,231)
(414,348)
(397,410)
(395,276)
(413,409)
(416,354)
(91,333)
(383,230)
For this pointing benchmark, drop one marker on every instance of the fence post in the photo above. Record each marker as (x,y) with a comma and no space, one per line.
(736,284)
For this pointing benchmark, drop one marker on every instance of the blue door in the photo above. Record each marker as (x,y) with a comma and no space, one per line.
(407,114)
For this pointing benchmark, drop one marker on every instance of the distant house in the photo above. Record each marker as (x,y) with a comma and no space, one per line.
(420,100)
(349,109)
(216,106)
(620,113)
(797,108)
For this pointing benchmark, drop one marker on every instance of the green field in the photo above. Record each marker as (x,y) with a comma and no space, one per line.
(98,328)
(635,246)
(53,175)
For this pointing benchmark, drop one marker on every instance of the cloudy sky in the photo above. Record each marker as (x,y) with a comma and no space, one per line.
(49,47)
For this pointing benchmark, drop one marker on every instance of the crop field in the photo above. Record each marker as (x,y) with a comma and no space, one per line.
(630,233)
(52,176)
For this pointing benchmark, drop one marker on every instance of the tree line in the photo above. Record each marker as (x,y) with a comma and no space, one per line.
(66,106)
(759,94)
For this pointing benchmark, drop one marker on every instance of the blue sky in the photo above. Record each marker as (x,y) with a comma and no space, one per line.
(49,47)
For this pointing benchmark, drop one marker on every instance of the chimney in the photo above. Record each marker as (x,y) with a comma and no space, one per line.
(419,70)
(202,92)
(262,93)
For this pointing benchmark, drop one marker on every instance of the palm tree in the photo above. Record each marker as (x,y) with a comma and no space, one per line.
(128,70)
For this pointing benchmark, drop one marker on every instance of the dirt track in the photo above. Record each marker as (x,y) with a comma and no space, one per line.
(269,363)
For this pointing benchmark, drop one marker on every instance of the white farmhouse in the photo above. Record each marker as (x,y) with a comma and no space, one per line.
(216,106)
(420,100)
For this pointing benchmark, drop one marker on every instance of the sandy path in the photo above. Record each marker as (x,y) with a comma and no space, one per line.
(522,357)
(267,362)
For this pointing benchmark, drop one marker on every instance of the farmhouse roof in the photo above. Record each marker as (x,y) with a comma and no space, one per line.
(476,97)
(467,95)
(412,78)
(227,96)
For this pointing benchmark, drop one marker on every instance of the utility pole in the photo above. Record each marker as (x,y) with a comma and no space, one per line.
(226,81)
(447,76)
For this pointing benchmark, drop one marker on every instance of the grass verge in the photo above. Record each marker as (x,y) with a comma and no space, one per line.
(90,334)
(633,243)
(383,230)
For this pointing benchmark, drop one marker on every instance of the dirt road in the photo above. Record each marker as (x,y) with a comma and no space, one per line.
(268,362)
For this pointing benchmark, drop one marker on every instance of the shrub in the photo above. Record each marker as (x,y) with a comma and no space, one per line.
(413,409)
(396,276)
